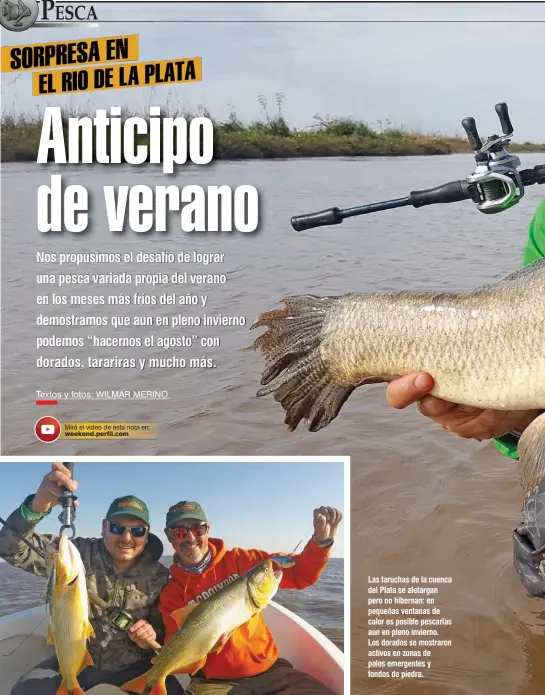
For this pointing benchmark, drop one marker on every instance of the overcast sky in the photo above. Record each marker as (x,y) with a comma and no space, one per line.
(367,61)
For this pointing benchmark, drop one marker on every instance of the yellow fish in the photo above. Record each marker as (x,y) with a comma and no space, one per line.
(205,627)
(69,626)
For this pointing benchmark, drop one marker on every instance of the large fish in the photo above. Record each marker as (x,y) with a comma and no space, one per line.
(484,348)
(69,626)
(206,627)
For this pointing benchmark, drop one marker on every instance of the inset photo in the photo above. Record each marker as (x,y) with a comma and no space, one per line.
(167,576)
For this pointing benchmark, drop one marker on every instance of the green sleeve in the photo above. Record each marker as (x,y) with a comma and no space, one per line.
(535,248)
(14,551)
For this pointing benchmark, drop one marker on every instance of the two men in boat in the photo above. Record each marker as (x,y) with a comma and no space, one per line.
(123,570)
(503,427)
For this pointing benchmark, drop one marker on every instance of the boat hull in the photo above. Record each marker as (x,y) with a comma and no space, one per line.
(300,643)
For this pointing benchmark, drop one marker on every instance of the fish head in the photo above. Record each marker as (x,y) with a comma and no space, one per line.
(68,563)
(263,582)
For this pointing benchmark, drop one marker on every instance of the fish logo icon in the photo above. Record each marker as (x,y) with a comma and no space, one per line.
(18,16)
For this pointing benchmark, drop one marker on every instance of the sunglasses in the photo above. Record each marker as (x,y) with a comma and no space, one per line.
(180,532)
(135,531)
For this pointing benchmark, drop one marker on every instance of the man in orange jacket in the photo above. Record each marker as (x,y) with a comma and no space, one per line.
(203,565)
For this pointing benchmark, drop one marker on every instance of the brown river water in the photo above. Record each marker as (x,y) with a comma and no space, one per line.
(423,502)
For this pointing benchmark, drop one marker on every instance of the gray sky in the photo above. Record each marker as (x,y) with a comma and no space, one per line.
(337,59)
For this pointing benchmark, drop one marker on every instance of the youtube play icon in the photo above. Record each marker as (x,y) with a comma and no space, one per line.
(47,429)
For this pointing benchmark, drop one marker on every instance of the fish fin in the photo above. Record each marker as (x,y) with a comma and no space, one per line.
(531,451)
(50,635)
(220,644)
(193,668)
(159,689)
(182,614)
(63,690)
(78,690)
(514,277)
(140,685)
(87,661)
(296,372)
(88,630)
(253,623)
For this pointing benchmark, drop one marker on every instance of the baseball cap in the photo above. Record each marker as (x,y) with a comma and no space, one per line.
(185,510)
(129,505)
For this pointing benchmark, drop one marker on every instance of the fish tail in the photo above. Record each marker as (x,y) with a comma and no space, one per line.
(296,372)
(65,690)
(531,451)
(142,686)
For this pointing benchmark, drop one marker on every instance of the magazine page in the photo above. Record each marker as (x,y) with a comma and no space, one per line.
(272,366)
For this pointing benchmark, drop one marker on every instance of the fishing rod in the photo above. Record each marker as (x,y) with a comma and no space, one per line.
(66,517)
(285,561)
(23,539)
(495,185)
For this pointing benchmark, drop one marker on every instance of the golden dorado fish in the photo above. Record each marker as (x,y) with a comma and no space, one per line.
(205,627)
(69,625)
(484,348)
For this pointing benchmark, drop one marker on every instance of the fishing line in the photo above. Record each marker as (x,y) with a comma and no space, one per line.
(302,539)
(42,555)
(30,635)
(298,544)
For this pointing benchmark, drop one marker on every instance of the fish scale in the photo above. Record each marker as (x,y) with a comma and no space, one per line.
(203,625)
(69,626)
(201,635)
(483,348)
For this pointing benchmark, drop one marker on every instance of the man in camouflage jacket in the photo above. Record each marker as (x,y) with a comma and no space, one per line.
(123,570)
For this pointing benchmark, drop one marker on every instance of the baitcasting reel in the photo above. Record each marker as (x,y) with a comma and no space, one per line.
(494,186)
(114,620)
(497,182)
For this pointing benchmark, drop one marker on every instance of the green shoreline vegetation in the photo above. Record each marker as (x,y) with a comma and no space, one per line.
(269,138)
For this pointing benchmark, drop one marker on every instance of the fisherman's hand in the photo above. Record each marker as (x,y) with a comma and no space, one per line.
(48,493)
(326,522)
(463,420)
(142,634)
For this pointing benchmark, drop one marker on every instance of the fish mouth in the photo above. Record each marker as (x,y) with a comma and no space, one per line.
(278,575)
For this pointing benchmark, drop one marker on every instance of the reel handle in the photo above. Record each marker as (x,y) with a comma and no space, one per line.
(469,125)
(503,115)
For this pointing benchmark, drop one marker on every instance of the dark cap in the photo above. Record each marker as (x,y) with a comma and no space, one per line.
(129,505)
(185,510)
